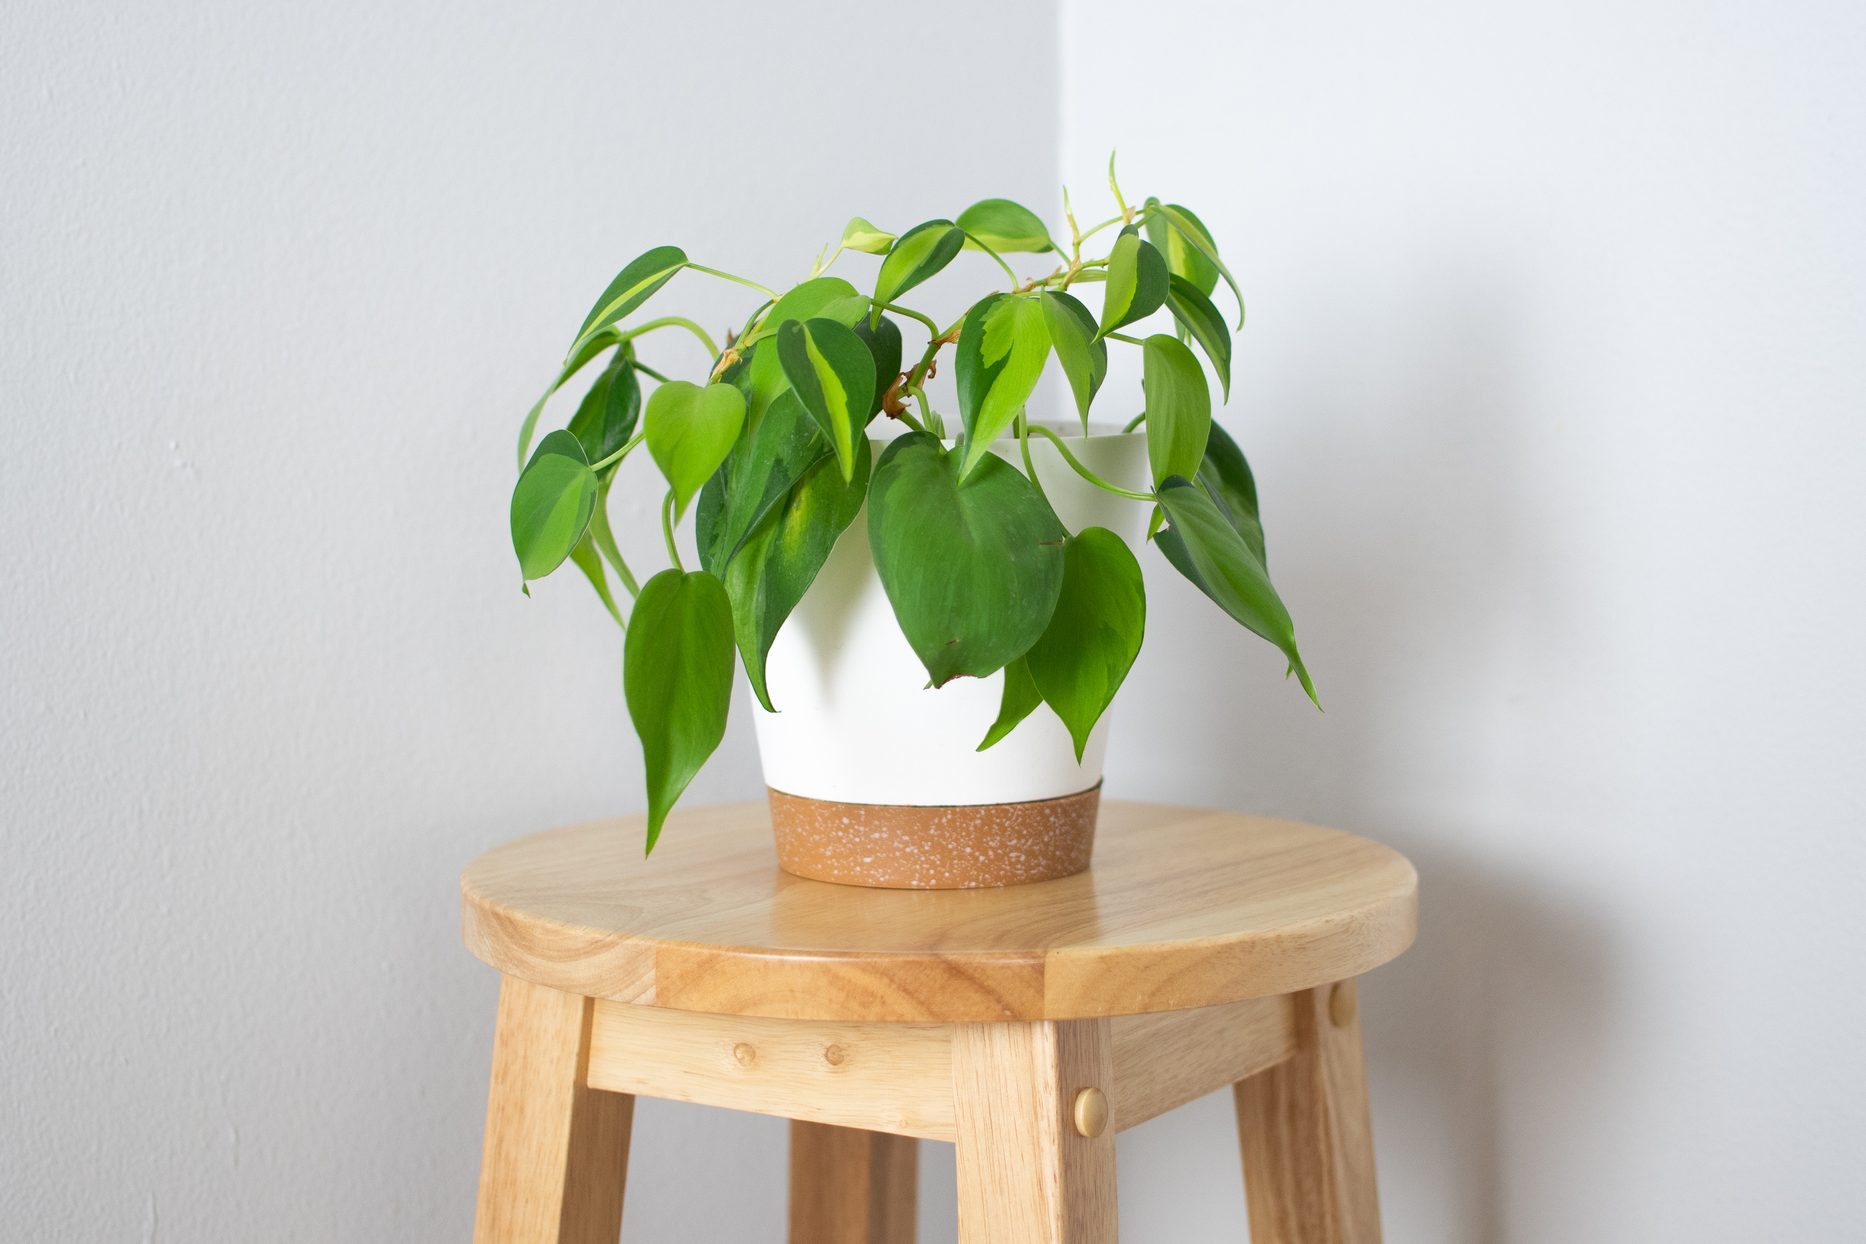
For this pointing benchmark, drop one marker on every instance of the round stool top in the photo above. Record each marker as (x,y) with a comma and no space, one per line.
(1184,907)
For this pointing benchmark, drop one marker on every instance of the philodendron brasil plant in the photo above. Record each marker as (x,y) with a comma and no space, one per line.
(769,451)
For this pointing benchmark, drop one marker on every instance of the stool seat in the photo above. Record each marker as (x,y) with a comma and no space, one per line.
(1185,907)
(1026,1025)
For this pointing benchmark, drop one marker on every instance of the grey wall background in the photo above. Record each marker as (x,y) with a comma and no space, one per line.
(1555,381)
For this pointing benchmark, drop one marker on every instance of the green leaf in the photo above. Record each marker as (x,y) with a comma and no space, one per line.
(756,476)
(916,255)
(677,679)
(763,377)
(1187,226)
(1003,346)
(859,235)
(551,505)
(1082,354)
(1179,407)
(590,562)
(972,570)
(1201,319)
(606,417)
(1095,633)
(883,339)
(1019,700)
(634,285)
(1136,282)
(690,430)
(1227,477)
(578,358)
(604,538)
(779,562)
(834,374)
(1005,227)
(808,300)
(1182,259)
(1203,546)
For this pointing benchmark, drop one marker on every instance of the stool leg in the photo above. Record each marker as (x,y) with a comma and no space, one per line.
(849,1186)
(1303,1128)
(1026,1175)
(556,1150)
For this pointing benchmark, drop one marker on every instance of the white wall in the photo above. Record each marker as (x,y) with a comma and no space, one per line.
(279,281)
(1555,382)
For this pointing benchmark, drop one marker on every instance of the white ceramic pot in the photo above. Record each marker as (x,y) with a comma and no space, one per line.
(856,722)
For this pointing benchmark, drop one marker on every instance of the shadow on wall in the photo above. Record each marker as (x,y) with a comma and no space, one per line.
(1399,486)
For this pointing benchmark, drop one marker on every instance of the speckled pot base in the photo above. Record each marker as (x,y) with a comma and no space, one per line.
(958,847)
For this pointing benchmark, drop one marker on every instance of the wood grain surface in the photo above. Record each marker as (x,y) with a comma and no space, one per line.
(1305,1135)
(1183,908)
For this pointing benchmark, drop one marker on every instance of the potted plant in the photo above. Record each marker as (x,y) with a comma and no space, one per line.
(933,622)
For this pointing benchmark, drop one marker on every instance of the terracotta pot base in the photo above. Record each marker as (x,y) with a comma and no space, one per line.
(957,847)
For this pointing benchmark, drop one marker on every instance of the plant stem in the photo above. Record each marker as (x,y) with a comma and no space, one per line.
(931,327)
(1135,422)
(643,367)
(1132,341)
(619,454)
(667,529)
(1008,270)
(1030,468)
(1112,220)
(919,372)
(823,265)
(1075,464)
(766,290)
(673,321)
(934,423)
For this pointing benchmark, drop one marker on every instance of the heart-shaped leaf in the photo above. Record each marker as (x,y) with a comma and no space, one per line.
(883,339)
(606,417)
(834,374)
(780,560)
(809,300)
(1082,354)
(1095,633)
(690,430)
(634,285)
(1004,226)
(1003,346)
(1182,259)
(1208,550)
(1136,282)
(1200,318)
(972,569)
(677,679)
(1019,699)
(762,378)
(916,255)
(551,505)
(760,470)
(1227,477)
(1186,225)
(1179,407)
(859,235)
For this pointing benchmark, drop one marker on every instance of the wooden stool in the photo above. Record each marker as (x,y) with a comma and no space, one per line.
(1027,1025)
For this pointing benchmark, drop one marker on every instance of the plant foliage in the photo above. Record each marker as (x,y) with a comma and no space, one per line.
(770,448)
